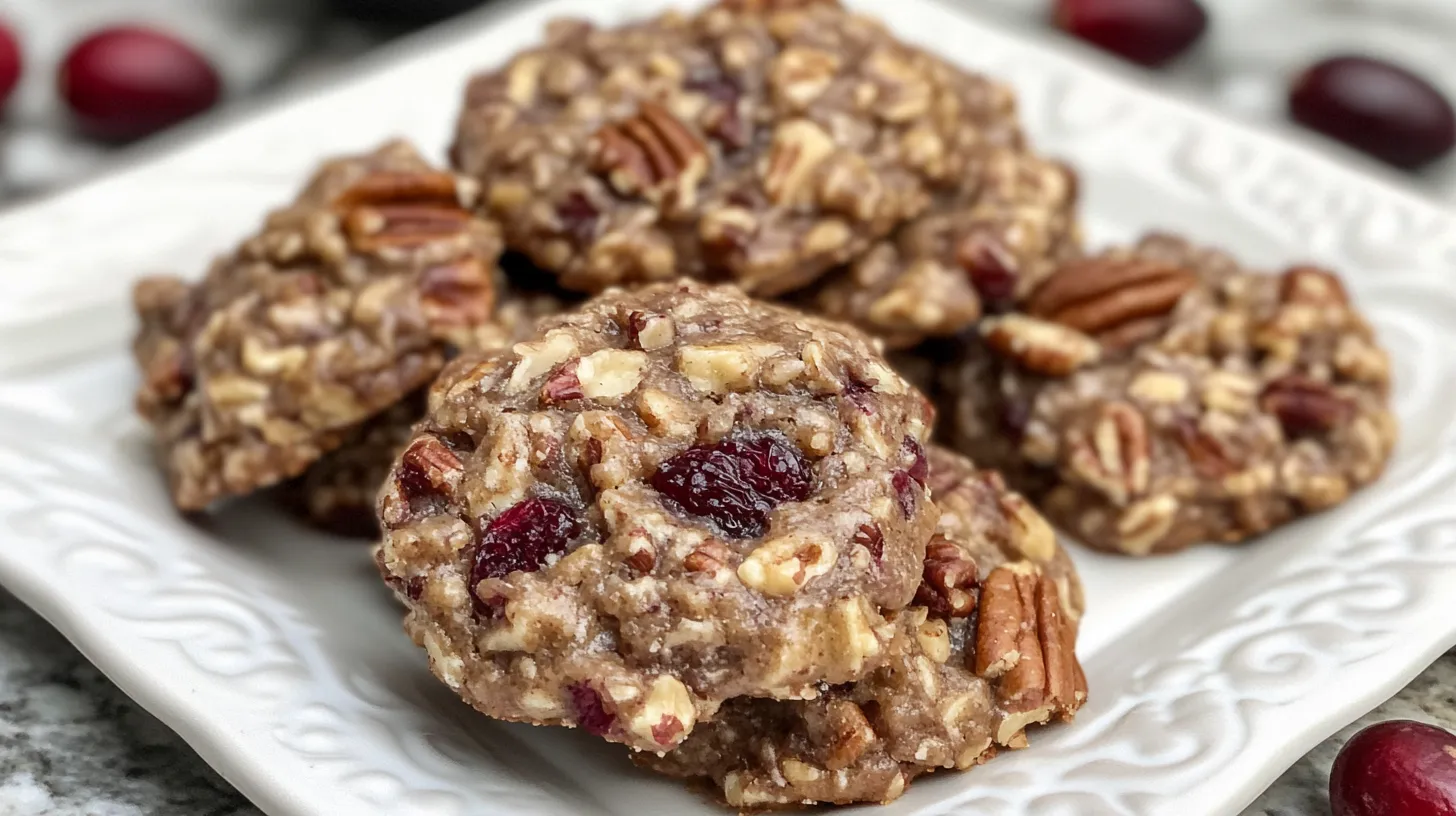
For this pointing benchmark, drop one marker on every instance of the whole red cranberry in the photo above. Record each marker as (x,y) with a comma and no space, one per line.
(10,62)
(1395,768)
(1377,107)
(1148,32)
(126,82)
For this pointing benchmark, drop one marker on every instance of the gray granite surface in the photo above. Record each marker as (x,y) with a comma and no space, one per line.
(71,744)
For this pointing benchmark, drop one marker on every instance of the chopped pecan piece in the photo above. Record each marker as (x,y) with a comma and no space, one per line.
(1040,346)
(1305,406)
(1312,286)
(651,154)
(1117,300)
(842,730)
(1113,455)
(1206,453)
(948,588)
(1025,646)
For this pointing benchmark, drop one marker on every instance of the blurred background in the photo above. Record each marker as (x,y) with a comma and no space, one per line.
(83,80)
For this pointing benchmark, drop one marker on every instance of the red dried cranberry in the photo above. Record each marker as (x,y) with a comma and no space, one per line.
(725,122)
(1374,106)
(10,63)
(736,483)
(126,82)
(1015,415)
(859,392)
(906,492)
(1148,32)
(523,537)
(591,711)
(920,468)
(992,270)
(578,217)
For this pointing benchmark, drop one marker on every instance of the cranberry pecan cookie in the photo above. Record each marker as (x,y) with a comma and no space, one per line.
(987,650)
(338,493)
(763,143)
(1012,224)
(339,307)
(1153,397)
(672,497)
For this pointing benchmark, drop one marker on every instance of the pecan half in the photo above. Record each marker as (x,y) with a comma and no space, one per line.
(1039,346)
(1025,645)
(948,586)
(1112,456)
(1118,300)
(1305,406)
(651,154)
(402,209)
(459,293)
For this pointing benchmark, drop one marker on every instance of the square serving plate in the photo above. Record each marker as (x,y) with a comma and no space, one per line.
(278,655)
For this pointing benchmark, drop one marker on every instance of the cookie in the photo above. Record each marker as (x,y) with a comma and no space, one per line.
(339,307)
(669,498)
(987,650)
(338,492)
(1013,223)
(1160,395)
(760,143)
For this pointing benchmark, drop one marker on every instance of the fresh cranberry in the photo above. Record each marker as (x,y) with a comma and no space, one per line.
(126,82)
(591,711)
(1396,767)
(523,537)
(10,62)
(1377,107)
(1148,32)
(736,483)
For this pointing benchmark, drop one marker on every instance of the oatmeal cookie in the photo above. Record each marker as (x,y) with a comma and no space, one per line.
(672,497)
(334,311)
(1156,396)
(762,143)
(987,650)
(338,492)
(1013,223)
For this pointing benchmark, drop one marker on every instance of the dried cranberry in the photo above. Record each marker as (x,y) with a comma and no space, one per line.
(736,483)
(992,271)
(1015,415)
(523,537)
(858,392)
(578,217)
(10,63)
(920,468)
(126,82)
(1148,32)
(1374,106)
(906,491)
(591,711)
(724,121)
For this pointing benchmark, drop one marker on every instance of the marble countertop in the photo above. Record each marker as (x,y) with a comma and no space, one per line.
(71,744)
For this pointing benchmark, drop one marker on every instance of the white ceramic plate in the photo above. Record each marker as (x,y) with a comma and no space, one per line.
(278,655)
